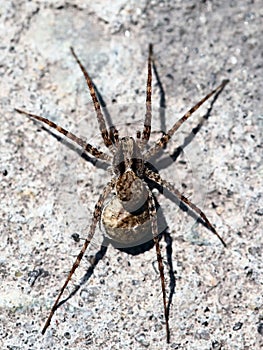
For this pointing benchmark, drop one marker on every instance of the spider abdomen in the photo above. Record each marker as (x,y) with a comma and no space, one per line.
(123,226)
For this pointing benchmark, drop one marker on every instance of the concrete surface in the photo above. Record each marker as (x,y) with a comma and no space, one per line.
(48,191)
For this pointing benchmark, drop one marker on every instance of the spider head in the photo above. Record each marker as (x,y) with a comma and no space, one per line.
(128,156)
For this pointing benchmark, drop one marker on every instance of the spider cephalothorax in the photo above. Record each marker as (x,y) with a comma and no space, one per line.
(129,167)
(131,212)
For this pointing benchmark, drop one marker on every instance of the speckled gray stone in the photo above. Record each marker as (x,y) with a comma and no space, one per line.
(48,191)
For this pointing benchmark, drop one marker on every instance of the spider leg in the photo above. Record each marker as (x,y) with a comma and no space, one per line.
(161,143)
(153,216)
(86,146)
(148,115)
(96,218)
(115,135)
(157,178)
(102,125)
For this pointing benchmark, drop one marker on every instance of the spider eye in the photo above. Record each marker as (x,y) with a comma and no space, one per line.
(137,166)
(121,167)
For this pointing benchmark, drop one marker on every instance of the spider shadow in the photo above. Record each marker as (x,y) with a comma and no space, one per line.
(162,102)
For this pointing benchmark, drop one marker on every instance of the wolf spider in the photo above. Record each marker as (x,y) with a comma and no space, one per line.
(132,174)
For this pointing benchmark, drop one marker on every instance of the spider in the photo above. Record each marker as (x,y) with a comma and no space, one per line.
(133,197)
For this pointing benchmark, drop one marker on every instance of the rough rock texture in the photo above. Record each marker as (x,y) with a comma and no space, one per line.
(48,191)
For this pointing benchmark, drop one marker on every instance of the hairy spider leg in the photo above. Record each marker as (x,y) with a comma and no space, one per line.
(153,217)
(161,143)
(86,146)
(102,125)
(96,217)
(157,178)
